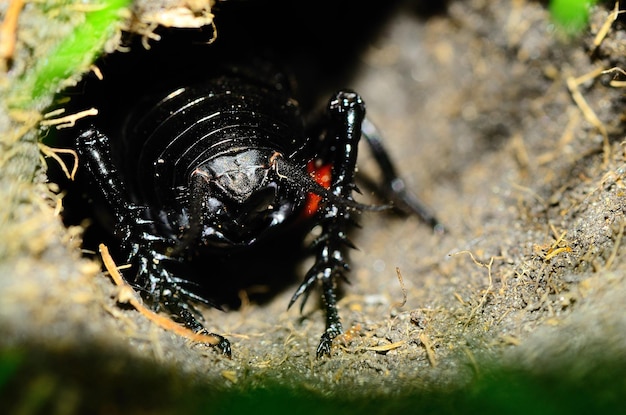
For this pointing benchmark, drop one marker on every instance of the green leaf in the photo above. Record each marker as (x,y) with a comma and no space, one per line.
(571,15)
(73,54)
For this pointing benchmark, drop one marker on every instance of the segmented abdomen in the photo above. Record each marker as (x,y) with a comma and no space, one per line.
(166,140)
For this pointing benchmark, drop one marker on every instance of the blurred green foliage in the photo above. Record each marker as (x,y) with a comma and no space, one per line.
(71,56)
(571,15)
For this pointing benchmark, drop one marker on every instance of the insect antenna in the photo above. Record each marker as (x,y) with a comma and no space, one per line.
(295,175)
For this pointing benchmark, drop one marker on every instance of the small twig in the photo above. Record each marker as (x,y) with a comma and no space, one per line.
(403,288)
(128,295)
(97,72)
(614,82)
(430,351)
(68,120)
(604,30)
(386,347)
(54,153)
(555,249)
(8,30)
(588,113)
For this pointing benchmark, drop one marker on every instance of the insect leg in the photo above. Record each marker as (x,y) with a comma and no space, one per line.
(394,187)
(346,111)
(134,229)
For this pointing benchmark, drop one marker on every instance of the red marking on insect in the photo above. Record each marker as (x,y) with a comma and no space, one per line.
(322,175)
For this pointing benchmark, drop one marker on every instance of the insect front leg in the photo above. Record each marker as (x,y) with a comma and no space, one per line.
(346,111)
(131,222)
(138,239)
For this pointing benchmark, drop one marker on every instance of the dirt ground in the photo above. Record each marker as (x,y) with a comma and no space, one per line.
(506,127)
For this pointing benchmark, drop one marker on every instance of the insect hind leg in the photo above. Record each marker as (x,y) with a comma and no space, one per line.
(393,186)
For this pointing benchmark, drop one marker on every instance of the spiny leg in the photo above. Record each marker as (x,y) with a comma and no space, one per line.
(138,240)
(346,111)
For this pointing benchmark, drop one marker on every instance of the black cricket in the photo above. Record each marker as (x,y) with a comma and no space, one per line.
(222,164)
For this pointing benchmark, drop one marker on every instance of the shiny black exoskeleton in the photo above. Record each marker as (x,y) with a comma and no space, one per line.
(221,165)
